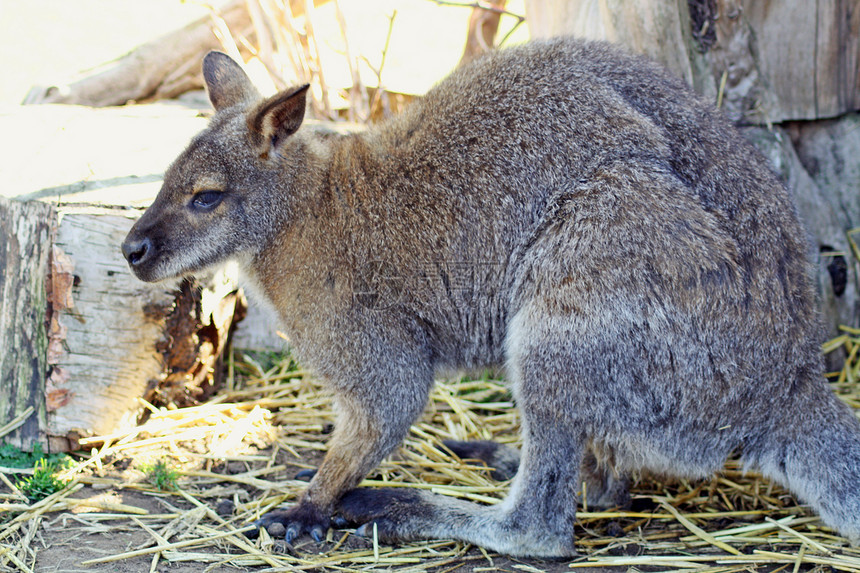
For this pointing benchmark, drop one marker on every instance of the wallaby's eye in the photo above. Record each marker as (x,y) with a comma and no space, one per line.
(206,200)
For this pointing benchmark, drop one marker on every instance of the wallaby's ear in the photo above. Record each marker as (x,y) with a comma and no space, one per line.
(279,116)
(227,83)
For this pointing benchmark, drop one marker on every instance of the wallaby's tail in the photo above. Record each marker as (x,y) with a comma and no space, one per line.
(815,452)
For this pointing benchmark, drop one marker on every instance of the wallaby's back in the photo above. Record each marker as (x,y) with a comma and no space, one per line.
(475,170)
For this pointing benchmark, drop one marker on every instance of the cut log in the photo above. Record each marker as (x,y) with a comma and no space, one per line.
(94,339)
(91,165)
(100,338)
(160,69)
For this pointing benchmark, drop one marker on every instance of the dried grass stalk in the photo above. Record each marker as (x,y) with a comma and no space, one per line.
(735,521)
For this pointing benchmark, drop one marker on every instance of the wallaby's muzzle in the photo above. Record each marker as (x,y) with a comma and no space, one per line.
(137,251)
(143,255)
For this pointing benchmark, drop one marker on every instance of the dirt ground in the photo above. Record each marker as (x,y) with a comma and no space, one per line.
(215,495)
(237,460)
(66,540)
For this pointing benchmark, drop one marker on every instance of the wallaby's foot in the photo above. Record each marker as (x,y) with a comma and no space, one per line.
(395,512)
(404,514)
(503,460)
(299,520)
(305,475)
(604,487)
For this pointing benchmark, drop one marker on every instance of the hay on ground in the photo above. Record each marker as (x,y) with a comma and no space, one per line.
(245,445)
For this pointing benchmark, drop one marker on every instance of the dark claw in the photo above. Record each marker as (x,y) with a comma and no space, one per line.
(338,522)
(276,529)
(305,474)
(290,524)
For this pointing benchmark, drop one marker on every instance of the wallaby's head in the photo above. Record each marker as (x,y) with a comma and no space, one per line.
(228,190)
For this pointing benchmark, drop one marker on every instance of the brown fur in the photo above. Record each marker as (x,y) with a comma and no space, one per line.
(562,209)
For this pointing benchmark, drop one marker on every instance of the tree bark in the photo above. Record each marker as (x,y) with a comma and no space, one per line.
(25,239)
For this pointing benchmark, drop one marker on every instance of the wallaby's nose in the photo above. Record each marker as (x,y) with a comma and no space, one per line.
(137,251)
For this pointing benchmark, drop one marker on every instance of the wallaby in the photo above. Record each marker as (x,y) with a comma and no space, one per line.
(563,210)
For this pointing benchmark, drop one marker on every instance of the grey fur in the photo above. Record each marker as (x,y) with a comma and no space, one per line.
(562,209)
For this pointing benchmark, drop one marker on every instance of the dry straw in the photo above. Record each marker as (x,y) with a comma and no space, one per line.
(246,444)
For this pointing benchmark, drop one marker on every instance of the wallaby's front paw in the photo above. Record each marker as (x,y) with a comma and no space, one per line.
(394,511)
(293,523)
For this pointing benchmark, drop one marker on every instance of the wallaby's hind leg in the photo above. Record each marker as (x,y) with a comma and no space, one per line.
(503,460)
(604,487)
(536,519)
(815,452)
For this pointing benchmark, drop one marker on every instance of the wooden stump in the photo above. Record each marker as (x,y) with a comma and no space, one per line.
(89,339)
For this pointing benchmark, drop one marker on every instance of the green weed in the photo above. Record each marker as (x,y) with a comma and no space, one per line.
(161,475)
(12,457)
(42,483)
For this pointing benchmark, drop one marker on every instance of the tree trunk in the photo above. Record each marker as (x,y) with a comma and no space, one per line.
(826,220)
(767,60)
(809,55)
(483,25)
(659,29)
